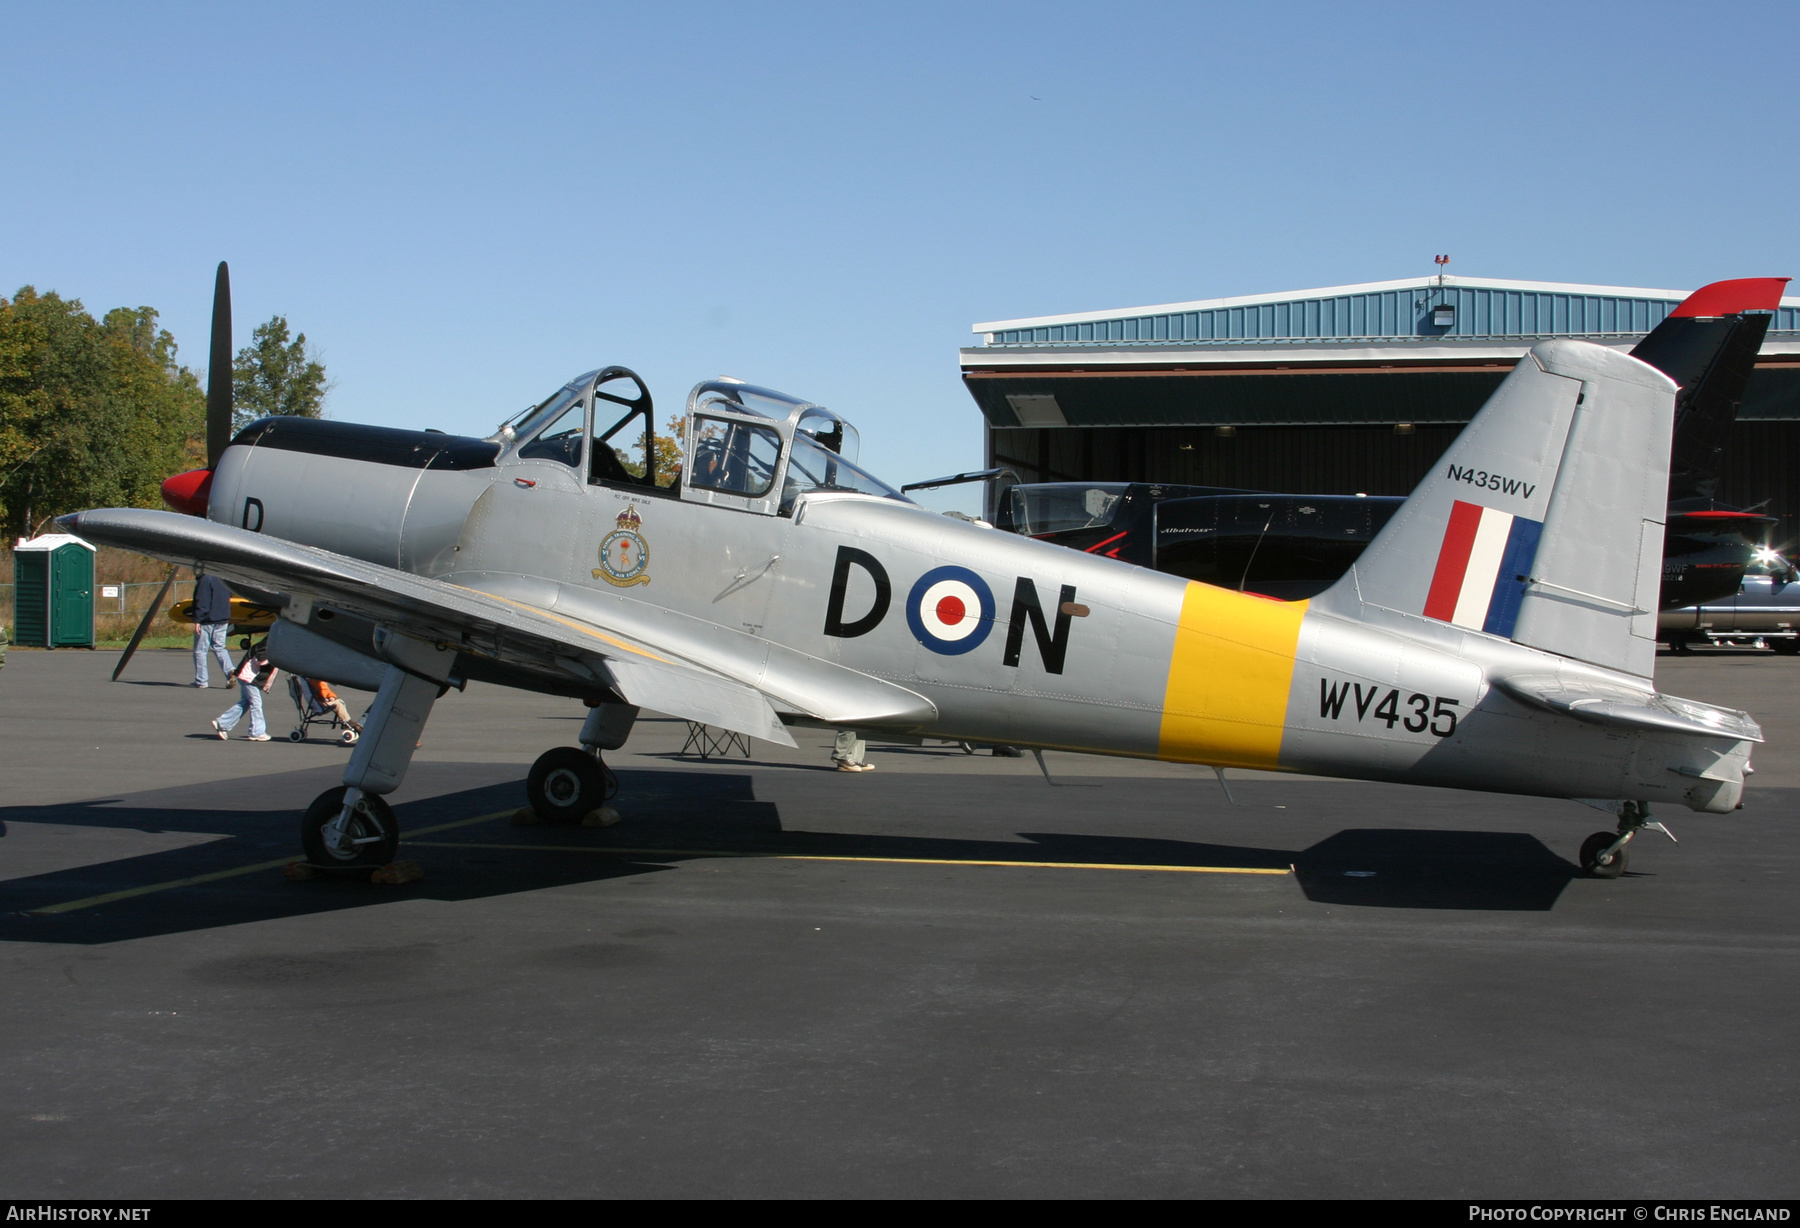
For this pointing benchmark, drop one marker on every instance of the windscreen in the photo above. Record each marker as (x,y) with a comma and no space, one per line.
(552,408)
(815,467)
(1059,507)
(1767,562)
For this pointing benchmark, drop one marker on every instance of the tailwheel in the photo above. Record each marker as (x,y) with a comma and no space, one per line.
(566,785)
(1596,847)
(371,835)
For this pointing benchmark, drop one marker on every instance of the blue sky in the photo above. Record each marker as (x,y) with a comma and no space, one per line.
(463,207)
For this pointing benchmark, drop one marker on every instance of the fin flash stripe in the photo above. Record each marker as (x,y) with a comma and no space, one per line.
(1478,582)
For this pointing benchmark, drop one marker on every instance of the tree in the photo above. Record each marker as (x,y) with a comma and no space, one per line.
(273,377)
(668,452)
(92,414)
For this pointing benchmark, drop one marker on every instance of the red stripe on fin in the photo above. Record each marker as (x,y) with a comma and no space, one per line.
(1453,561)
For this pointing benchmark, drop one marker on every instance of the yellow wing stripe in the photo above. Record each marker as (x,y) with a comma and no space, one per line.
(584,628)
(1229,677)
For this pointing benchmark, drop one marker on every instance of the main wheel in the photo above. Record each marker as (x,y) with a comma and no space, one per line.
(566,785)
(373,829)
(295,736)
(1593,847)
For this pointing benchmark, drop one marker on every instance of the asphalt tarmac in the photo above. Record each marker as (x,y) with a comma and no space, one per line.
(942,978)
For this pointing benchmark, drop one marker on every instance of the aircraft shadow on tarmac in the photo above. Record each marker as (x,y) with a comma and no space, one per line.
(671,817)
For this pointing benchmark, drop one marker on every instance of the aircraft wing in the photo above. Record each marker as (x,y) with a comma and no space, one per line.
(651,657)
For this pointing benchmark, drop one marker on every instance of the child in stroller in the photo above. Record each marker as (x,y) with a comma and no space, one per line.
(317,703)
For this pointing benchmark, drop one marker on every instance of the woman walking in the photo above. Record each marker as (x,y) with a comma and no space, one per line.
(254,676)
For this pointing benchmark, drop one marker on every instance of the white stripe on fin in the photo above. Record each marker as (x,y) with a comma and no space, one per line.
(1484,566)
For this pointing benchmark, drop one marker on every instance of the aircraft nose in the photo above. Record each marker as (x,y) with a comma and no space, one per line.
(187,492)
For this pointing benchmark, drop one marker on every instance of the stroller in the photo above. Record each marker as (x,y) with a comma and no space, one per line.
(312,712)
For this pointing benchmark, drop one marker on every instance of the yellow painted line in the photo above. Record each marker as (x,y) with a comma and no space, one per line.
(109,897)
(94,900)
(584,628)
(896,861)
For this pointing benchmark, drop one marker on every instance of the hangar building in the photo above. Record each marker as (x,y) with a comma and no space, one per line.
(1335,391)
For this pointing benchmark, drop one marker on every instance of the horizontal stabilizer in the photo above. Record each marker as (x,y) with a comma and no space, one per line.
(1607,705)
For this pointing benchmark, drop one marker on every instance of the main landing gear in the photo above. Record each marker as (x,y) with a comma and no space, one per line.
(1603,853)
(351,826)
(573,785)
(370,838)
(568,783)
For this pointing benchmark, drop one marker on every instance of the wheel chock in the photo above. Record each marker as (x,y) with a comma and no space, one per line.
(398,872)
(525,816)
(606,816)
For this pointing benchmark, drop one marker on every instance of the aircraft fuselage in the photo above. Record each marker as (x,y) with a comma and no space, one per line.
(1011,640)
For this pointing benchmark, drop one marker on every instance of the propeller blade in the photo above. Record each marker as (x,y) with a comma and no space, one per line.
(218,371)
(137,637)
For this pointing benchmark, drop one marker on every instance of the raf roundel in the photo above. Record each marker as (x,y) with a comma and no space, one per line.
(950,610)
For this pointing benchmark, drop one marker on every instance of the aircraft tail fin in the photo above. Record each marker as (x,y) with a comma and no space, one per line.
(1543,523)
(1708,345)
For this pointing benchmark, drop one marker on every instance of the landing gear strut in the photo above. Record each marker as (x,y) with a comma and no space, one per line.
(1603,853)
(351,825)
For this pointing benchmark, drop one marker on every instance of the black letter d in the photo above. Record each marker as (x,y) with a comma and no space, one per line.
(840,581)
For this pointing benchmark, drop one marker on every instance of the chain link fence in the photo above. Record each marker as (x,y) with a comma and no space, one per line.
(118,607)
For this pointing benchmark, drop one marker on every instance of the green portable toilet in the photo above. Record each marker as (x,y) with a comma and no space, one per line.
(53,592)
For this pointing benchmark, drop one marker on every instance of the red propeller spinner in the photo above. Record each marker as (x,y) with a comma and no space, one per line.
(187,492)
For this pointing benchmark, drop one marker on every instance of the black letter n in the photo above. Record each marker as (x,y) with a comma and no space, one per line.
(1051,647)
(840,582)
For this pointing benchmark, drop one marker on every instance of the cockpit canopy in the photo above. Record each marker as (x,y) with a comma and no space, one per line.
(744,446)
(738,434)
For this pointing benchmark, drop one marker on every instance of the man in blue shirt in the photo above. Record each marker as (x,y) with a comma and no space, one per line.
(212,619)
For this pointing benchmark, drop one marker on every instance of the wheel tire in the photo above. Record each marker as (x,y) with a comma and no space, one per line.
(295,736)
(566,785)
(348,737)
(1592,847)
(373,818)
(1786,648)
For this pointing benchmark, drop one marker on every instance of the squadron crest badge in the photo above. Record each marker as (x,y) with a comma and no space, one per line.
(624,557)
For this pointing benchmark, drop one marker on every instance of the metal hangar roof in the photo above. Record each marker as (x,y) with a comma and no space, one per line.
(1422,350)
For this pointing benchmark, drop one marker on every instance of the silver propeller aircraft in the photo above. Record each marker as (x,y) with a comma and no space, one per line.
(1498,634)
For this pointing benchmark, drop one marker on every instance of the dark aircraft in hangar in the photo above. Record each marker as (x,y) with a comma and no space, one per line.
(1295,546)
